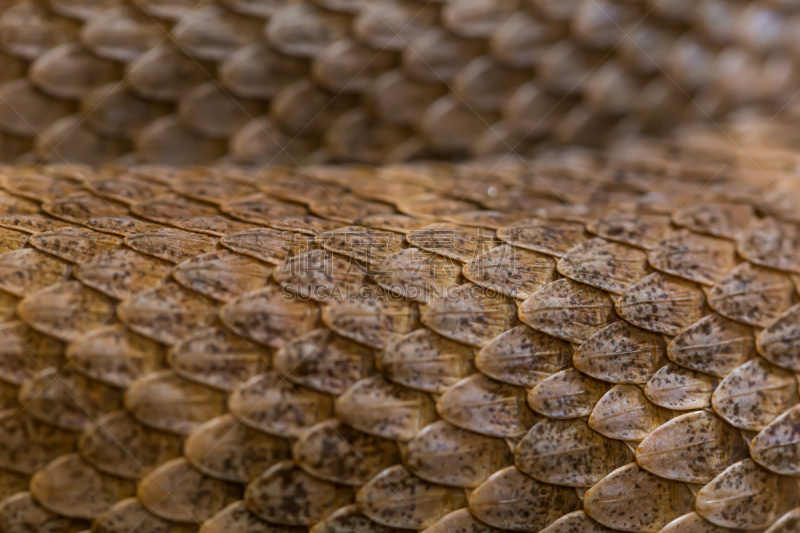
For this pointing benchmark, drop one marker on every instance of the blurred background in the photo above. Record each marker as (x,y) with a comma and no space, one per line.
(254,82)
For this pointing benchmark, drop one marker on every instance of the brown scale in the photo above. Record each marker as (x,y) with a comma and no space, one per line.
(374,320)
(324,361)
(21,511)
(777,342)
(285,494)
(128,516)
(173,245)
(218,358)
(625,413)
(215,225)
(694,257)
(120,225)
(29,444)
(680,389)
(33,223)
(222,276)
(577,522)
(335,452)
(271,404)
(26,352)
(772,244)
(28,270)
(122,273)
(775,447)
(118,445)
(80,207)
(230,451)
(524,357)
(567,394)
(692,448)
(714,345)
(772,496)
(603,264)
(75,244)
(268,245)
(755,394)
(361,244)
(513,501)
(512,271)
(396,498)
(415,274)
(260,209)
(692,523)
(569,453)
(426,361)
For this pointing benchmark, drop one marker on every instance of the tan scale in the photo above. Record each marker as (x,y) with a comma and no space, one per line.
(625,413)
(122,273)
(567,394)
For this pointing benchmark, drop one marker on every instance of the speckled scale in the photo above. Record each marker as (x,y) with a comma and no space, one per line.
(640,230)
(426,361)
(75,245)
(713,345)
(167,313)
(323,361)
(302,188)
(522,356)
(222,275)
(374,321)
(625,413)
(417,275)
(119,445)
(70,487)
(511,500)
(755,394)
(551,237)
(268,245)
(346,208)
(621,353)
(260,209)
(225,449)
(268,317)
(777,446)
(8,395)
(24,352)
(122,273)
(321,275)
(362,244)
(433,206)
(486,406)
(718,219)
(461,243)
(576,522)
(335,452)
(121,225)
(698,258)
(15,205)
(568,310)
(28,445)
(66,310)
(173,245)
(396,498)
(217,357)
(512,271)
(446,454)
(632,499)
(32,224)
(481,219)
(779,342)
(746,496)
(127,189)
(567,394)
(307,224)
(11,240)
(603,264)
(212,188)
(178,492)
(680,389)
(21,513)
(772,244)
(236,518)
(273,405)
(392,222)
(114,355)
(165,401)
(128,516)
(379,407)
(470,314)
(216,225)
(37,185)
(691,448)
(692,523)
(285,494)
(568,453)
(347,519)
(662,303)
(77,208)
(168,207)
